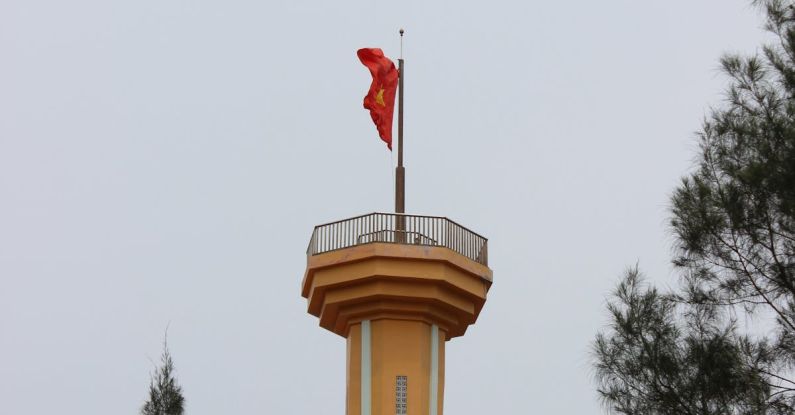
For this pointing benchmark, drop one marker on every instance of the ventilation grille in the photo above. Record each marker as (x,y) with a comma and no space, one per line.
(401,390)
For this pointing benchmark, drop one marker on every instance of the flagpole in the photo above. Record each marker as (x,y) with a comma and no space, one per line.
(400,172)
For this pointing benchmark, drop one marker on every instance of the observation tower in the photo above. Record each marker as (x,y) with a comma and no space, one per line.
(397,287)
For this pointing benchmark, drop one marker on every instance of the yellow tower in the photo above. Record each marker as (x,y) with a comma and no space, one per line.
(397,287)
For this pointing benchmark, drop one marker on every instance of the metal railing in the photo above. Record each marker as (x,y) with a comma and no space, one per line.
(399,229)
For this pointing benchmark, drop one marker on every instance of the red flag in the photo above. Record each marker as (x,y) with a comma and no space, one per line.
(380,100)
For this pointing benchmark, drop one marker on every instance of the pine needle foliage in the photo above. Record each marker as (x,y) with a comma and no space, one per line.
(733,220)
(165,394)
(660,357)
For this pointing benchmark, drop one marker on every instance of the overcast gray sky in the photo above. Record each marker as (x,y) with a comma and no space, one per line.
(164,161)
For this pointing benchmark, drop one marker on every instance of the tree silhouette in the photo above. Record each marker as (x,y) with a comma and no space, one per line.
(165,394)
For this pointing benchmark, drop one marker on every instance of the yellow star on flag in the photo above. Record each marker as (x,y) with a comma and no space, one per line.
(379,98)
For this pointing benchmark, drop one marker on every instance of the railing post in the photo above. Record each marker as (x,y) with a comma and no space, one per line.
(400,228)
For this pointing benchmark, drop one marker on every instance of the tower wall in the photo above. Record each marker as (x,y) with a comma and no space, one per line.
(398,348)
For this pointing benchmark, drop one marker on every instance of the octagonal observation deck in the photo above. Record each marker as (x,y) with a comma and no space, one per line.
(396,267)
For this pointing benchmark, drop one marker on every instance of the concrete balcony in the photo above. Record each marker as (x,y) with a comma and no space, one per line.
(385,266)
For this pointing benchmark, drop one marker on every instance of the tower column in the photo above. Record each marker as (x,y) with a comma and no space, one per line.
(406,368)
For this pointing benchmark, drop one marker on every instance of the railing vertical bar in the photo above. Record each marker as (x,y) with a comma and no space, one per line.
(452,237)
(451,233)
(456,239)
(459,243)
(469,246)
(426,226)
(419,229)
(465,240)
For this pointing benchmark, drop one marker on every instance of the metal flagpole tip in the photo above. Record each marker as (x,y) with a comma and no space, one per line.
(401,31)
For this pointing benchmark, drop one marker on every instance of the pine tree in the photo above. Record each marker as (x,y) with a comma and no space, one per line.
(733,220)
(660,356)
(165,394)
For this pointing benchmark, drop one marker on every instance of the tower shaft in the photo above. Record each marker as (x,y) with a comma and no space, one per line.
(396,365)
